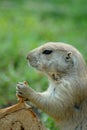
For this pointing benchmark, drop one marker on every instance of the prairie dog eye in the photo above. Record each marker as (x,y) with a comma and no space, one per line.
(47,52)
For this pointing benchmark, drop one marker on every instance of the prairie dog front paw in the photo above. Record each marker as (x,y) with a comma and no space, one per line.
(22,89)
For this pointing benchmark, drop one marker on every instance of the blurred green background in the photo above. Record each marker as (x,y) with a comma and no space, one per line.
(26,24)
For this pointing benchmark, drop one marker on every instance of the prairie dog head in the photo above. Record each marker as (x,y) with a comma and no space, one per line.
(57,59)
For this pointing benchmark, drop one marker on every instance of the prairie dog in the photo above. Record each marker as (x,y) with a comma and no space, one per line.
(65,100)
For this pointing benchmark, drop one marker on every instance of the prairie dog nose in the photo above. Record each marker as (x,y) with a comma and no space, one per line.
(28,57)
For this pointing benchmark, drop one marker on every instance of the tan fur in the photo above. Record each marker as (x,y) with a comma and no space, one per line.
(66,97)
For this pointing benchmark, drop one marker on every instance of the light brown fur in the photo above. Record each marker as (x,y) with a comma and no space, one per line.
(66,97)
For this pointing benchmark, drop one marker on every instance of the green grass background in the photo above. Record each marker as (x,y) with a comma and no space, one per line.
(26,24)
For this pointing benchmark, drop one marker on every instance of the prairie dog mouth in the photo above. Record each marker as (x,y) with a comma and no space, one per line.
(32,63)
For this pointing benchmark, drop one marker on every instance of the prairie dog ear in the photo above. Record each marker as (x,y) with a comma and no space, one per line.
(68,56)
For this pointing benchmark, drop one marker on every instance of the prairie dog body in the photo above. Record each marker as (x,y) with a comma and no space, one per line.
(66,97)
